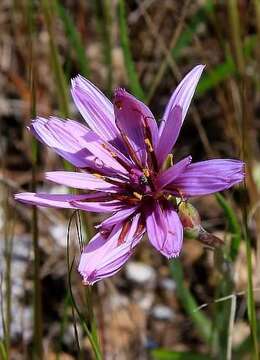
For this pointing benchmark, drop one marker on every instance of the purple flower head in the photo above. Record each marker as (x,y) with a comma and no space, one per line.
(120,161)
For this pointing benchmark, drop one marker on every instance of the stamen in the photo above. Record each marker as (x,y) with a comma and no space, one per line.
(130,149)
(115,155)
(106,147)
(123,233)
(99,176)
(149,145)
(137,195)
(119,104)
(146,172)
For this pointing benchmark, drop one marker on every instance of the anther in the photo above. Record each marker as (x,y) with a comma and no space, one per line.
(149,145)
(99,176)
(137,195)
(119,104)
(146,172)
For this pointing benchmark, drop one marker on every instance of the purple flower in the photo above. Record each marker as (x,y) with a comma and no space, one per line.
(121,169)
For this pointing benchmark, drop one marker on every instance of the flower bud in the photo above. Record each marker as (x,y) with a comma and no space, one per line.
(190,219)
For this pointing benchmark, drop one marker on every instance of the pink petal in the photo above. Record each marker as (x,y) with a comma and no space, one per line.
(49,200)
(98,206)
(118,217)
(80,181)
(208,177)
(168,176)
(57,134)
(132,118)
(105,154)
(96,109)
(183,94)
(164,229)
(169,134)
(79,145)
(68,201)
(102,257)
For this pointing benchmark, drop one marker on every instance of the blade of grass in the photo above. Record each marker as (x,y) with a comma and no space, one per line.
(233,225)
(3,353)
(62,89)
(181,41)
(188,302)
(223,71)
(134,83)
(222,310)
(38,334)
(103,20)
(3,322)
(163,354)
(231,326)
(186,37)
(93,339)
(250,295)
(74,38)
(8,251)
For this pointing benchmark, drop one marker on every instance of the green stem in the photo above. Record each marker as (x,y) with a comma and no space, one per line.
(236,34)
(62,91)
(8,245)
(74,38)
(38,334)
(188,302)
(250,293)
(103,19)
(88,328)
(134,83)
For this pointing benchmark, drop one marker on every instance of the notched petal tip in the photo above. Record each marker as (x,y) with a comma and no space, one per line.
(75,80)
(119,92)
(172,256)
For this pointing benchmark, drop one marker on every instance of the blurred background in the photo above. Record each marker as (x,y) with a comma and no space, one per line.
(205,306)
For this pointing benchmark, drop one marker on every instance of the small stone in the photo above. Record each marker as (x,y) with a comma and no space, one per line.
(162,312)
(146,301)
(168,284)
(140,273)
(59,234)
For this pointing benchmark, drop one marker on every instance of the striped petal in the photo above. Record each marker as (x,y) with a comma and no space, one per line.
(208,177)
(92,202)
(136,124)
(78,180)
(103,257)
(164,229)
(168,176)
(182,95)
(96,109)
(169,134)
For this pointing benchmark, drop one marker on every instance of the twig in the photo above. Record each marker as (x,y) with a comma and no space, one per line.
(224,298)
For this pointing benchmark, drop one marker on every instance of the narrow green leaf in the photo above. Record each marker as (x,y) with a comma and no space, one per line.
(223,71)
(188,302)
(134,83)
(251,309)
(163,354)
(187,36)
(92,335)
(3,354)
(61,81)
(74,38)
(37,298)
(103,20)
(233,225)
